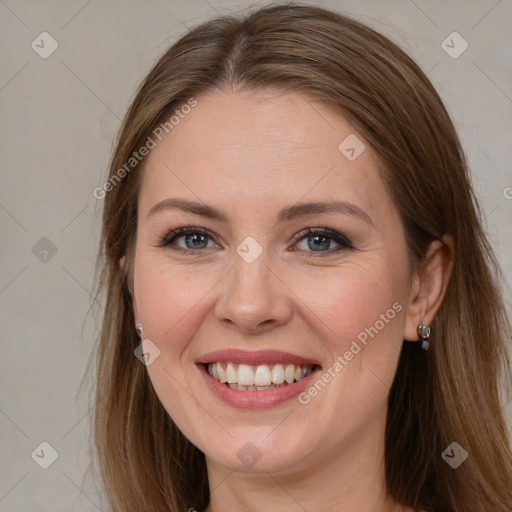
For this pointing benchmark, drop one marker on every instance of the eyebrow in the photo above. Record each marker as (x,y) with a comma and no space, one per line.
(286,214)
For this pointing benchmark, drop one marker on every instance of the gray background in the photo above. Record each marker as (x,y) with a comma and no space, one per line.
(60,116)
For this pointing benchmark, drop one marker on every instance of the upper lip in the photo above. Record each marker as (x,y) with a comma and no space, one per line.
(254,357)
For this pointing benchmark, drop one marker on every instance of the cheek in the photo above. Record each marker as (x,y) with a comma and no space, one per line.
(347,300)
(171,307)
(170,299)
(340,304)
(359,316)
(357,312)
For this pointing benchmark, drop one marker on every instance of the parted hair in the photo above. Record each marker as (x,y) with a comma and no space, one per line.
(451,393)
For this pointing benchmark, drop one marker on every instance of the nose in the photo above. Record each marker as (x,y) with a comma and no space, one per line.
(254,298)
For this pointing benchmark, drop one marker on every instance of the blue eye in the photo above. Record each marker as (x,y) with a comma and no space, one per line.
(194,237)
(196,240)
(322,238)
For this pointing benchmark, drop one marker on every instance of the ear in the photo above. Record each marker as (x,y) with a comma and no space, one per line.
(428,286)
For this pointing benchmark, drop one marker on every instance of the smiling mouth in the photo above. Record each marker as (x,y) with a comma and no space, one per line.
(264,377)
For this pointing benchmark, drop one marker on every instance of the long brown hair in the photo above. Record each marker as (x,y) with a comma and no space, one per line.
(450,393)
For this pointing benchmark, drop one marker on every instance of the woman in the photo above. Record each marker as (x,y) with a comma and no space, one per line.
(303,311)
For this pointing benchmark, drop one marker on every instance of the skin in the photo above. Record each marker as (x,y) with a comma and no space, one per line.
(250,154)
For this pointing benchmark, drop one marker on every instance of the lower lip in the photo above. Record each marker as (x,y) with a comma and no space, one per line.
(256,399)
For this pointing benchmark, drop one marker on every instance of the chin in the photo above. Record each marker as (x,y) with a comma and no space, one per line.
(278,455)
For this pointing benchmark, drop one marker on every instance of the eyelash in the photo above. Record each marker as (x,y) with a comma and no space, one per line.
(174,233)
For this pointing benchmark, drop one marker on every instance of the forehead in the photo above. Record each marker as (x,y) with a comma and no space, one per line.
(263,147)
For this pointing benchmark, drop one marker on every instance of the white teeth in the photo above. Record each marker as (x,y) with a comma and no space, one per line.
(278,374)
(245,375)
(258,378)
(289,373)
(230,374)
(262,376)
(221,372)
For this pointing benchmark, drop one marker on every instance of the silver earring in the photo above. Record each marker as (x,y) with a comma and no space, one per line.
(424,333)
(139,329)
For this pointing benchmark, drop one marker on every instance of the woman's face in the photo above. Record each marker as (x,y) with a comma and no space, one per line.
(253,283)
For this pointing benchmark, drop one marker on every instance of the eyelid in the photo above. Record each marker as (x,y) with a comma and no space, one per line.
(174,232)
(339,238)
